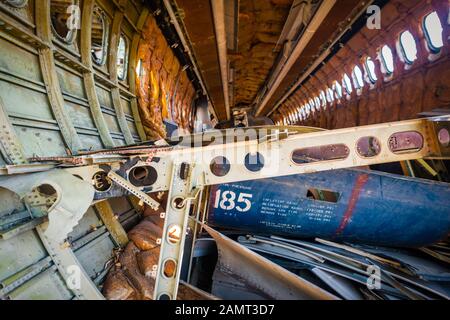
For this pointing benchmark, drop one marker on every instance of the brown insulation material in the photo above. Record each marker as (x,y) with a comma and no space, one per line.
(422,86)
(260,25)
(144,235)
(146,261)
(164,90)
(118,287)
(128,261)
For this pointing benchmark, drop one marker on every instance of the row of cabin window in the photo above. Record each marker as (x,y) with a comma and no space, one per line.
(61,13)
(432,28)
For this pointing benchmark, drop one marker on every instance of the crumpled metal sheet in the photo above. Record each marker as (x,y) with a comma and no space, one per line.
(261,273)
(74,196)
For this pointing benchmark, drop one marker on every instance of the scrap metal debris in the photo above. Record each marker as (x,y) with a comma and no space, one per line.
(360,271)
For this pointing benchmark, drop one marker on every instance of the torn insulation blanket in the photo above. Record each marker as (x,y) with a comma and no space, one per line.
(163,88)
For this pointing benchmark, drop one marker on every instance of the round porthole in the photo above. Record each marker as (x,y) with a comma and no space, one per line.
(47,190)
(178,203)
(169,268)
(101,181)
(220,166)
(164,296)
(143,176)
(254,162)
(368,147)
(174,234)
(444,137)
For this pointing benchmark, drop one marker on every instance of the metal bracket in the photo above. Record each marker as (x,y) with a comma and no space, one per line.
(175,227)
(74,197)
(133,190)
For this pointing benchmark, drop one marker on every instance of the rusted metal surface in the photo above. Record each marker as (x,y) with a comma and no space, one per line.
(261,273)
(199,23)
(333,21)
(260,25)
(397,97)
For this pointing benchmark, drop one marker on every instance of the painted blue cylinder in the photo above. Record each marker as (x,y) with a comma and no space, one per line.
(356,206)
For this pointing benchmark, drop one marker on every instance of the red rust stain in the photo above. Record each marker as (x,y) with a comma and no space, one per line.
(360,183)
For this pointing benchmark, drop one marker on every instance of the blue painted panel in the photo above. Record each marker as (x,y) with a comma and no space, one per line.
(372,207)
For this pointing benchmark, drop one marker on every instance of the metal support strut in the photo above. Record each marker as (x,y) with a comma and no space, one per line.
(175,228)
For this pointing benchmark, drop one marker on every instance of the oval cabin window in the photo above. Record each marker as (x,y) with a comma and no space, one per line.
(122,58)
(323,99)
(313,105)
(99,37)
(330,95)
(433,32)
(387,59)
(408,46)
(317,103)
(347,84)
(370,67)
(63,15)
(338,88)
(358,77)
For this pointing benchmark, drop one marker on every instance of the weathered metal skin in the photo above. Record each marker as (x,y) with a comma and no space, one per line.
(372,207)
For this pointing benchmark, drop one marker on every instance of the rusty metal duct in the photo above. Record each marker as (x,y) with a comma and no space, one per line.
(318,18)
(221,38)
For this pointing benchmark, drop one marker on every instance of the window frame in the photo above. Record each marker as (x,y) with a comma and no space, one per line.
(402,47)
(126,57)
(329,93)
(369,73)
(71,34)
(105,38)
(383,60)
(317,103)
(340,92)
(430,45)
(345,84)
(358,83)
(17,3)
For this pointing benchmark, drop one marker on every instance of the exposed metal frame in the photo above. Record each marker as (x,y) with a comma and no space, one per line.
(218,11)
(115,92)
(51,81)
(176,216)
(187,48)
(326,52)
(320,15)
(185,171)
(89,82)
